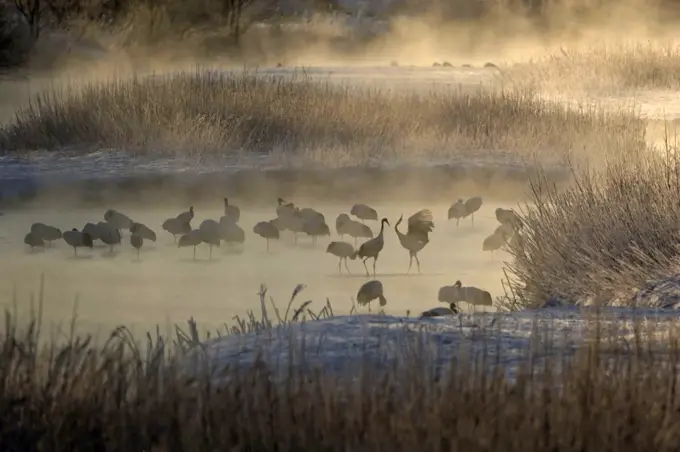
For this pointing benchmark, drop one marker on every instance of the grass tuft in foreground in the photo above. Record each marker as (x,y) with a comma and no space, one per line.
(608,396)
(310,121)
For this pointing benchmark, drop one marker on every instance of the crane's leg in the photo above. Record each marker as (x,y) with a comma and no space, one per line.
(268,243)
(210,254)
(194,253)
(75,251)
(375,259)
(294,238)
(417,261)
(367,273)
(174,236)
(410,262)
(340,268)
(457,222)
(346,267)
(138,253)
(473,219)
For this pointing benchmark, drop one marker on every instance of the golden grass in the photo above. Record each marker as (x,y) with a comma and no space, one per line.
(602,237)
(604,68)
(301,120)
(607,396)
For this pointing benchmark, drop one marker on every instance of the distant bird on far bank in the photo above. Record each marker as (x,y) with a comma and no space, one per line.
(364,212)
(370,291)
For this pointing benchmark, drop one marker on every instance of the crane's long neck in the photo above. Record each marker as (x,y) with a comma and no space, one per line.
(396,229)
(382,228)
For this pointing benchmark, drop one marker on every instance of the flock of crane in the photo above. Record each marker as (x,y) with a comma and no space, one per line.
(299,220)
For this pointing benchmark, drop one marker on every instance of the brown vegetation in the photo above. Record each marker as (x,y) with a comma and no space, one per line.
(604,69)
(604,236)
(308,121)
(122,396)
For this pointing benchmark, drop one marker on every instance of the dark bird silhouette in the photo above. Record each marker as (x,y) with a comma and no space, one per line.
(420,225)
(343,250)
(34,241)
(136,241)
(77,240)
(266,230)
(232,212)
(192,238)
(373,247)
(45,232)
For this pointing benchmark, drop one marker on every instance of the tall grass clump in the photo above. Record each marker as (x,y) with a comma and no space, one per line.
(226,112)
(605,68)
(603,237)
(119,396)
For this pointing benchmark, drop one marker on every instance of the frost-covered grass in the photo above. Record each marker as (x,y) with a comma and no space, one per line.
(579,382)
(602,237)
(311,121)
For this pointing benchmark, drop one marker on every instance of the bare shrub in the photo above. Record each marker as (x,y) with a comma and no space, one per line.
(225,112)
(604,236)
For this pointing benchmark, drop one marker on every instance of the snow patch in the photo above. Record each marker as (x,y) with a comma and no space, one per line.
(345,345)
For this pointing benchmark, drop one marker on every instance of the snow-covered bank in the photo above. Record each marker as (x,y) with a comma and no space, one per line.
(345,345)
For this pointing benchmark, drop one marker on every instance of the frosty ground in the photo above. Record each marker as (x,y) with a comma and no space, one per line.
(345,345)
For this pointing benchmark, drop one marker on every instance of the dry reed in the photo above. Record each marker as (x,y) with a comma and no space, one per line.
(78,396)
(299,119)
(603,237)
(604,69)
